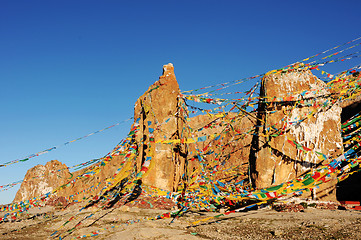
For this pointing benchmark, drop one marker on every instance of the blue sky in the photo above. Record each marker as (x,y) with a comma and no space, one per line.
(69,68)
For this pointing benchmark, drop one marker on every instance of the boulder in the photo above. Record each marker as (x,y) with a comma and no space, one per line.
(296,107)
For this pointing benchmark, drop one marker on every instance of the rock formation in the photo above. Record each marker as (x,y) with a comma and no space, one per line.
(42,179)
(160,118)
(312,123)
(294,110)
(231,149)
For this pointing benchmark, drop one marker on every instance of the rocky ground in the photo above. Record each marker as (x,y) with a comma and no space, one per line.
(265,223)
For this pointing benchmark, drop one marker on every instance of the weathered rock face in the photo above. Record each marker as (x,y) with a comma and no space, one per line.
(78,188)
(42,179)
(160,115)
(160,118)
(310,124)
(230,150)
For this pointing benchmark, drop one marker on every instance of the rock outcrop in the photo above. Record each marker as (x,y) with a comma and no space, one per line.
(42,179)
(311,123)
(229,150)
(164,130)
(160,117)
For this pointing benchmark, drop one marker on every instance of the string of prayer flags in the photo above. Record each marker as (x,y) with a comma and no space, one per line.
(27,158)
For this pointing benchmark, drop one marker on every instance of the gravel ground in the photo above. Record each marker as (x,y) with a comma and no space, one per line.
(265,223)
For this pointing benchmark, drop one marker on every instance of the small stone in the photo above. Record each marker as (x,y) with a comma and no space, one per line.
(222,210)
(124,208)
(277,232)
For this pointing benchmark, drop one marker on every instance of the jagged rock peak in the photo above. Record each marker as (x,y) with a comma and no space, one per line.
(42,179)
(168,68)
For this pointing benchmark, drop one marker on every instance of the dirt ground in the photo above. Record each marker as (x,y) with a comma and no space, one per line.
(266,223)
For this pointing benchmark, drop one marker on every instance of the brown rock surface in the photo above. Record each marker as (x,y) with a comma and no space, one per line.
(161,116)
(231,150)
(158,110)
(81,186)
(276,160)
(42,179)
